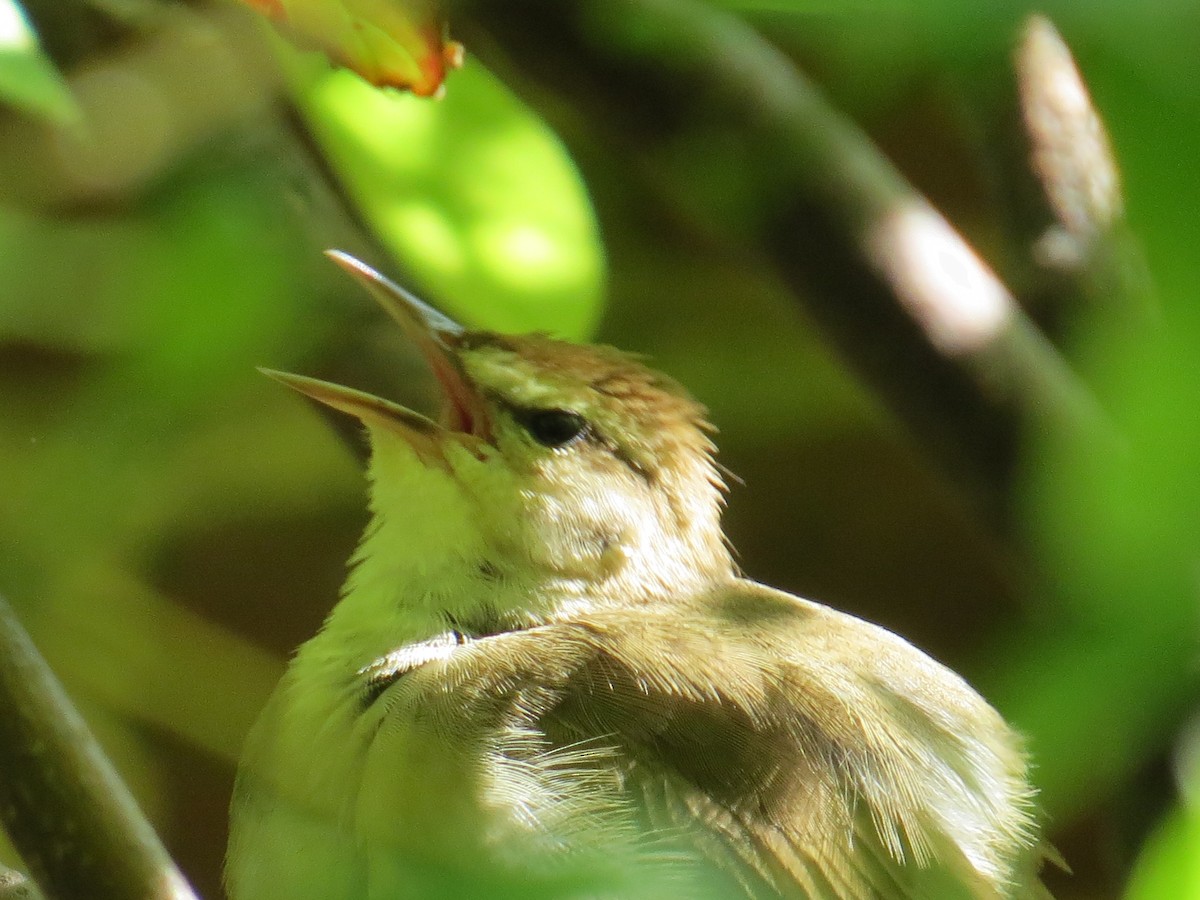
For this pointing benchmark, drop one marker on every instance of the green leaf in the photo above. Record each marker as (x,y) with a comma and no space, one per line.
(1169,867)
(474,194)
(28,80)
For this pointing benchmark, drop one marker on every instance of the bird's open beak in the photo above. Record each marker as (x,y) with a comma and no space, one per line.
(463,415)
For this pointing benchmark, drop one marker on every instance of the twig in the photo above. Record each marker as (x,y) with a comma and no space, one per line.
(67,812)
(15,886)
(684,87)
(1086,245)
(1069,148)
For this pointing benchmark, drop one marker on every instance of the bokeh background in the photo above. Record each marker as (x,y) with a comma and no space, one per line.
(172,523)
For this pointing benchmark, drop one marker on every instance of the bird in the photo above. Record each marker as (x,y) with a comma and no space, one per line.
(547,677)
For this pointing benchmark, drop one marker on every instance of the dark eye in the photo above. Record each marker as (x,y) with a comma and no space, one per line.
(554,427)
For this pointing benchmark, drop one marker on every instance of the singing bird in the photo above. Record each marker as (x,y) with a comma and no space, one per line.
(546,677)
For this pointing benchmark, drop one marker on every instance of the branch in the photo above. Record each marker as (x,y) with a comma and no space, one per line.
(689,92)
(15,886)
(1085,245)
(67,812)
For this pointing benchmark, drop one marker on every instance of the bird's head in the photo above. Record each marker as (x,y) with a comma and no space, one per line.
(574,462)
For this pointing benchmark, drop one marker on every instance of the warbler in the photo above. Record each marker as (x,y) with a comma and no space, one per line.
(546,676)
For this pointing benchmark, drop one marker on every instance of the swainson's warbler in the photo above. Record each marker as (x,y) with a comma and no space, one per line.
(547,678)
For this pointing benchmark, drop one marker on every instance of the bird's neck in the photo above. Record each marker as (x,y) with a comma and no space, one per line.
(426,564)
(453,549)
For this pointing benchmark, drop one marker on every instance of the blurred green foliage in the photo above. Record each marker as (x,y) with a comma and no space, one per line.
(171,524)
(1170,866)
(28,80)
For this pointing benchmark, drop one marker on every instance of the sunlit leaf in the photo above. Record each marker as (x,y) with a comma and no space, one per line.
(475,195)
(1169,867)
(28,80)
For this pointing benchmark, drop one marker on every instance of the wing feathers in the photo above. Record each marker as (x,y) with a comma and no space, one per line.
(801,752)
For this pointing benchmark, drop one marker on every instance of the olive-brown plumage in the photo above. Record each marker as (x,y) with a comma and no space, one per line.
(546,678)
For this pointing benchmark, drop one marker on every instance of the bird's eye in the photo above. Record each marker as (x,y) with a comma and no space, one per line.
(554,427)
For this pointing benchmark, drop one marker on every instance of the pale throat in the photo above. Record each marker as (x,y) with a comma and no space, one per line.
(448,550)
(427,559)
